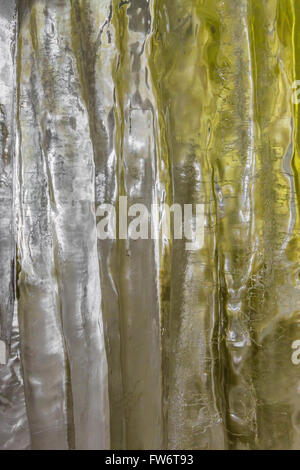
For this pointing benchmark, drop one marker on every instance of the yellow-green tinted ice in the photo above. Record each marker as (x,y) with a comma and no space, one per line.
(143,344)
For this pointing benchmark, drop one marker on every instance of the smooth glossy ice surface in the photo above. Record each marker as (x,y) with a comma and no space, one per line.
(143,344)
